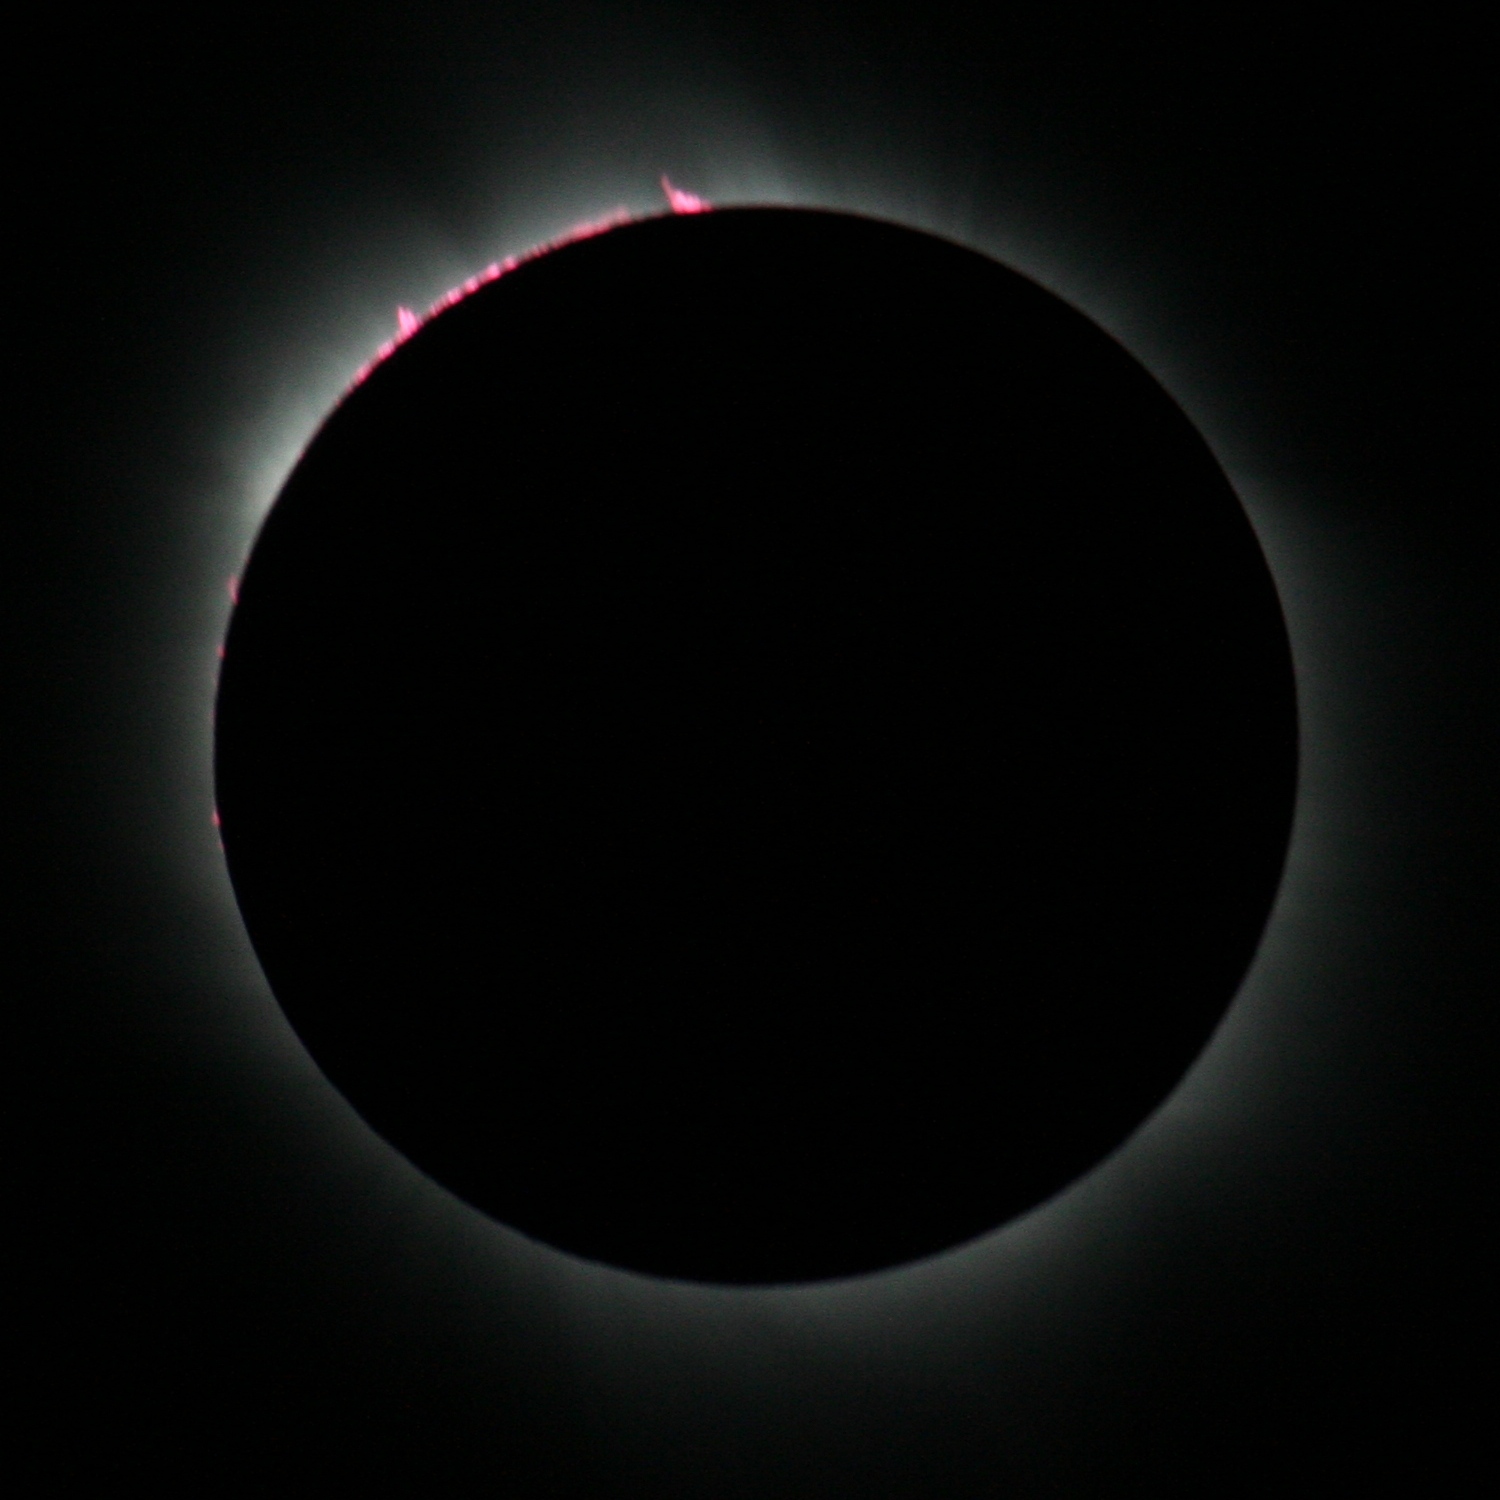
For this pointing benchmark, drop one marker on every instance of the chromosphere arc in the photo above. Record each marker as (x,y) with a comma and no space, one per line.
(757,746)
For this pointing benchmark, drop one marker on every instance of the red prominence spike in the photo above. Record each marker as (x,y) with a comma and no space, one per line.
(683,202)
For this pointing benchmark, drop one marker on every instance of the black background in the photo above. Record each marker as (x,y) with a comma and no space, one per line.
(1277,1288)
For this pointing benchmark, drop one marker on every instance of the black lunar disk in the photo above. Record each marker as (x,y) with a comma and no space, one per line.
(757,746)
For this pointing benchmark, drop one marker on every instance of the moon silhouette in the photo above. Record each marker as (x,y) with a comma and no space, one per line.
(757,746)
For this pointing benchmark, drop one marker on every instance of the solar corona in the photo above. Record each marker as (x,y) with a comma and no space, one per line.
(755,745)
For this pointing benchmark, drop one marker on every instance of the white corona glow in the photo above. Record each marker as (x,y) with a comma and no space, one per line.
(1001,1281)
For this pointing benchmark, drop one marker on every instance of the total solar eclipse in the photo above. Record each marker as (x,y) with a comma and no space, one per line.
(756,746)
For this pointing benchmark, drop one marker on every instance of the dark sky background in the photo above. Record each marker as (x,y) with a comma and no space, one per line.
(1279,1287)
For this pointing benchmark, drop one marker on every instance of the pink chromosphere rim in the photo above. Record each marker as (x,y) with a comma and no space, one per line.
(408,322)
